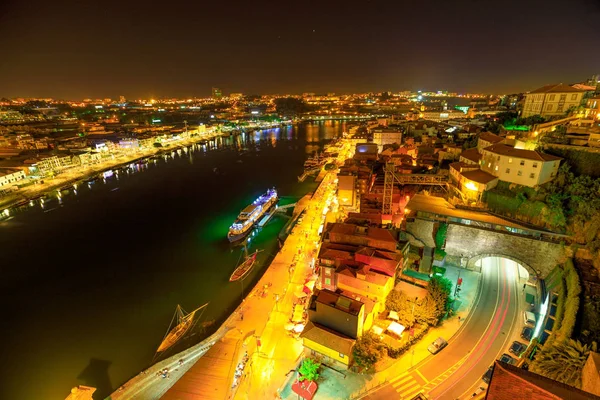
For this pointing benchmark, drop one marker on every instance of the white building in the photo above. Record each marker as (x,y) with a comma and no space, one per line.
(384,136)
(551,100)
(9,177)
(523,167)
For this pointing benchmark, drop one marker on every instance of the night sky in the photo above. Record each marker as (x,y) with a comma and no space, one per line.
(78,48)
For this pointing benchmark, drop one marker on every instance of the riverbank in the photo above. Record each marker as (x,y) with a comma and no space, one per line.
(69,178)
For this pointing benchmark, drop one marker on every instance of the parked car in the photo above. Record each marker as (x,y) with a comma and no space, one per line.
(487,377)
(508,359)
(517,348)
(527,333)
(437,345)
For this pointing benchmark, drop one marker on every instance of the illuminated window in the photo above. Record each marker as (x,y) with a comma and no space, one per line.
(522,162)
(489,165)
(496,168)
(519,173)
(510,160)
(342,356)
(328,281)
(508,170)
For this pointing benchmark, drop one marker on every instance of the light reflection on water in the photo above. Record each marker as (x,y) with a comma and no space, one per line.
(91,277)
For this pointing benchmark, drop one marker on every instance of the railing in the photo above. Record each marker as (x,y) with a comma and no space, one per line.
(421,179)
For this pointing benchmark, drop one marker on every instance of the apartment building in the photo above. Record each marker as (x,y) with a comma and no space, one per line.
(551,100)
(523,167)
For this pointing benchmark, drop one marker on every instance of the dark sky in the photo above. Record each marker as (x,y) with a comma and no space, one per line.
(87,48)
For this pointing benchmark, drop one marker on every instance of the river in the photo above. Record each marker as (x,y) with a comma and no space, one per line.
(90,280)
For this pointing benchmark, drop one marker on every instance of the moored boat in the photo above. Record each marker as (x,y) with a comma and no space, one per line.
(244,268)
(250,215)
(184,322)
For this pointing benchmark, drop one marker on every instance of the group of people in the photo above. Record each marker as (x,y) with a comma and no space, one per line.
(239,370)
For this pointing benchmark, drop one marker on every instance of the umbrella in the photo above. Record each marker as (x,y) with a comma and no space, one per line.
(289,326)
(299,328)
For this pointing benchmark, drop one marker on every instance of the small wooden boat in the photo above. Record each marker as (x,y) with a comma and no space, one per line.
(242,270)
(184,322)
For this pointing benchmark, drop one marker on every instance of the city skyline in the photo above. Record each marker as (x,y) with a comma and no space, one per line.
(110,49)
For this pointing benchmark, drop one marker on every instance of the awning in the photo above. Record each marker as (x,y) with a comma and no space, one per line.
(393,315)
(300,294)
(377,330)
(305,389)
(298,313)
(289,326)
(308,287)
(396,328)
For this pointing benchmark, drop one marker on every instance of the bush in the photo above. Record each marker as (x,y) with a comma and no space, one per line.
(367,350)
(440,236)
(571,307)
(309,370)
(419,332)
(399,302)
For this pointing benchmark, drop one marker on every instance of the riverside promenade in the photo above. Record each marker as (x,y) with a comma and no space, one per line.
(256,327)
(261,334)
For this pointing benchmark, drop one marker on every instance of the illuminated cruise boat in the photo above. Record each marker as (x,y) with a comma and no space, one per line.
(250,215)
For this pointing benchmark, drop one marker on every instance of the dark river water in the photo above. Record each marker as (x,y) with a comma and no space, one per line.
(90,281)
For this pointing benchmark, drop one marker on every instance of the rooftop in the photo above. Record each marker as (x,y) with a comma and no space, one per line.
(490,137)
(479,176)
(471,154)
(339,301)
(556,88)
(439,206)
(510,382)
(505,150)
(328,338)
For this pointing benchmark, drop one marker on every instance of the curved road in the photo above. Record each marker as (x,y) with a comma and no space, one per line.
(456,371)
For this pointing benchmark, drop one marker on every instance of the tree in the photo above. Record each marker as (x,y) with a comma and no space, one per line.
(563,361)
(427,311)
(367,350)
(309,370)
(398,301)
(439,289)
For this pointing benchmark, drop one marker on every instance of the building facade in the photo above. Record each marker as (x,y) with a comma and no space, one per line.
(523,167)
(551,100)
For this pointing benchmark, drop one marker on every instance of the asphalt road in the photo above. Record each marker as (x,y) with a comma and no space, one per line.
(456,371)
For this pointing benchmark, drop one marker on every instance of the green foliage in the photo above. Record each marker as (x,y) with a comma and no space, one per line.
(419,332)
(531,120)
(367,350)
(439,289)
(590,327)
(398,301)
(580,162)
(440,236)
(571,302)
(563,361)
(560,305)
(309,370)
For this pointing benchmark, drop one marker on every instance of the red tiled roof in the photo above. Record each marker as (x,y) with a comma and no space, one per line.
(556,88)
(490,137)
(511,383)
(459,166)
(471,154)
(505,150)
(478,176)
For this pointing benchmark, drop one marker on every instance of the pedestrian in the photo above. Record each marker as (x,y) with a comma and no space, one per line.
(459,319)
